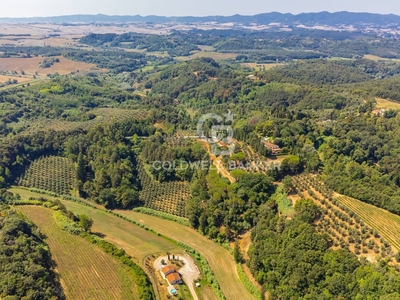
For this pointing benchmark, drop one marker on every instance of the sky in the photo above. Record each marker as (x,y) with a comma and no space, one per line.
(37,8)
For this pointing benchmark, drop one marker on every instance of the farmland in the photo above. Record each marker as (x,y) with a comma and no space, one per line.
(140,243)
(362,228)
(261,67)
(102,115)
(4,78)
(86,272)
(95,125)
(31,66)
(169,197)
(51,173)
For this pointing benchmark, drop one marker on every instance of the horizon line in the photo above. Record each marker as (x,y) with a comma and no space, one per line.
(202,16)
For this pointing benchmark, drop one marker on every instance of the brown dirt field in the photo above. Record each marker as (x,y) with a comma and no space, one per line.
(374,57)
(31,65)
(4,78)
(206,48)
(206,293)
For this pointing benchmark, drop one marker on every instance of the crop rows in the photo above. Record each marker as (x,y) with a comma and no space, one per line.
(255,162)
(50,173)
(86,272)
(385,222)
(350,226)
(169,197)
(175,141)
(186,133)
(102,115)
(182,138)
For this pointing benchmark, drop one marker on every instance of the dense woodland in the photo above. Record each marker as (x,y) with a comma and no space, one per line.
(319,111)
(27,270)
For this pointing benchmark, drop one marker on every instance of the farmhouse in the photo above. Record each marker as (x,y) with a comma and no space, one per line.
(174,278)
(167,270)
(171,275)
(275,149)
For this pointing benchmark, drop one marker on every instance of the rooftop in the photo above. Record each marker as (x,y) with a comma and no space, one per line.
(173,276)
(168,269)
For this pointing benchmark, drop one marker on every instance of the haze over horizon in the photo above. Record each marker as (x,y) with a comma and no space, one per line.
(46,8)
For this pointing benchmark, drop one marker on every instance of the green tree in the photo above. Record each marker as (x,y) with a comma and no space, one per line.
(291,164)
(306,210)
(85,222)
(237,255)
(287,183)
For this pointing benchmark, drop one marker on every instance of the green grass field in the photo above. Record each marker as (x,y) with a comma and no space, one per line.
(386,104)
(86,272)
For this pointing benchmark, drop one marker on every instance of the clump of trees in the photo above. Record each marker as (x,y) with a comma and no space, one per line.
(216,203)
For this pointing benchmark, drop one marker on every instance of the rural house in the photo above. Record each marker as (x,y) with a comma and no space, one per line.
(174,278)
(171,275)
(275,149)
(167,270)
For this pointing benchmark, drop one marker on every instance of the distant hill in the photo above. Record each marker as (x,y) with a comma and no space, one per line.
(320,18)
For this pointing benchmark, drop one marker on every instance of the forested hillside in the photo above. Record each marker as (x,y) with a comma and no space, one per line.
(27,270)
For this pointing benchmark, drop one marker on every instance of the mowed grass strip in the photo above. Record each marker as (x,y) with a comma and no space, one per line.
(220,260)
(384,222)
(136,241)
(86,272)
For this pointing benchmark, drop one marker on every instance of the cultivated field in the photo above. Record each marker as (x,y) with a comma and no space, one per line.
(374,57)
(5,78)
(257,162)
(169,197)
(260,67)
(360,227)
(31,66)
(50,173)
(85,271)
(386,223)
(102,115)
